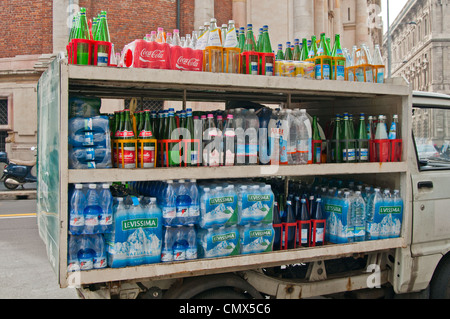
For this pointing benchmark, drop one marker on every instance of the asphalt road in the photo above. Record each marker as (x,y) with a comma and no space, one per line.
(25,272)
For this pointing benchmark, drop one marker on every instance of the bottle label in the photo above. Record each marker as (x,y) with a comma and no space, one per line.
(194,211)
(102,59)
(129,157)
(86,263)
(77,221)
(91,220)
(349,154)
(179,254)
(100,262)
(254,68)
(231,40)
(88,124)
(340,73)
(182,211)
(148,158)
(166,255)
(145,134)
(105,220)
(319,234)
(369,76)
(88,139)
(169,212)
(319,72)
(194,157)
(214,38)
(269,69)
(393,131)
(304,234)
(326,71)
(380,76)
(363,154)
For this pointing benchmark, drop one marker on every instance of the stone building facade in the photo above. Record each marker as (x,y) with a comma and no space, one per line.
(420,45)
(36,31)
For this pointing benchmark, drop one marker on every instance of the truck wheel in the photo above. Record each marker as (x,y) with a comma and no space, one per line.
(440,283)
(221,293)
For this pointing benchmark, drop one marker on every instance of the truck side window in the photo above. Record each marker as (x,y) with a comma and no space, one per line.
(431,132)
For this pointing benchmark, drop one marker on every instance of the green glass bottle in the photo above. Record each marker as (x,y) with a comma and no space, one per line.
(82,33)
(304,52)
(288,52)
(259,42)
(316,142)
(338,65)
(280,54)
(173,149)
(267,48)
(362,151)
(297,51)
(348,142)
(312,53)
(146,151)
(241,39)
(323,65)
(250,46)
(336,146)
(192,155)
(128,159)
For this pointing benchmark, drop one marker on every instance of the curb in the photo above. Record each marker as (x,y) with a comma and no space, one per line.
(20,194)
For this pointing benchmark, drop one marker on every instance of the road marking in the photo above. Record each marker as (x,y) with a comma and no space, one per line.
(18,215)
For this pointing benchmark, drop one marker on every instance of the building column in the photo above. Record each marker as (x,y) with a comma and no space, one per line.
(337,21)
(319,17)
(362,28)
(303,19)
(63,12)
(240,13)
(203,12)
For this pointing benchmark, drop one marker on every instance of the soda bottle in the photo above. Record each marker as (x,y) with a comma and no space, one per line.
(76,211)
(160,38)
(241,40)
(92,211)
(312,53)
(362,150)
(393,131)
(316,142)
(348,143)
(231,41)
(277,228)
(251,137)
(317,224)
(102,34)
(336,144)
(338,70)
(304,50)
(214,41)
(82,32)
(267,48)
(378,62)
(323,65)
(192,155)
(127,155)
(259,41)
(229,142)
(291,226)
(171,133)
(280,54)
(288,56)
(297,51)
(369,128)
(250,46)
(106,204)
(146,151)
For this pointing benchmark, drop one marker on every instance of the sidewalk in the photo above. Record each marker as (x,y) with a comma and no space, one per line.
(28,192)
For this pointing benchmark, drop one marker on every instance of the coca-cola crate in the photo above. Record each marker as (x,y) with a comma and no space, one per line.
(186,59)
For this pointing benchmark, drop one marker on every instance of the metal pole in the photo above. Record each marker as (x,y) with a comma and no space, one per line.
(389,42)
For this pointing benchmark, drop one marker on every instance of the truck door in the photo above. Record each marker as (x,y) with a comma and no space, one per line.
(431,179)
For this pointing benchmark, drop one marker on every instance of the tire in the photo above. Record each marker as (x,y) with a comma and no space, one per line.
(9,185)
(440,283)
(221,293)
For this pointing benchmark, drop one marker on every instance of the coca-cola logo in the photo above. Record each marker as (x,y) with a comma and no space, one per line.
(155,54)
(192,62)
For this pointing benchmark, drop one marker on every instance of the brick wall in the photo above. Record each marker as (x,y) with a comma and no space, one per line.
(27,29)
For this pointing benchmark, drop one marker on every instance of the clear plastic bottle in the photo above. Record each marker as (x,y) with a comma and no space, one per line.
(168,203)
(76,211)
(251,137)
(106,217)
(92,211)
(293,138)
(183,202)
(358,215)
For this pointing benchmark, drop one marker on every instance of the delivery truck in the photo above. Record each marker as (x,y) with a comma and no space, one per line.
(416,262)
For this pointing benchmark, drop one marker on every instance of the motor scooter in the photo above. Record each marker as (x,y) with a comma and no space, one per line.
(17,172)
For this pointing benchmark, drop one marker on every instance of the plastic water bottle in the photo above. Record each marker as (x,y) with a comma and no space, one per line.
(106,217)
(134,234)
(358,215)
(244,209)
(204,208)
(251,123)
(373,206)
(180,245)
(304,138)
(293,134)
(348,228)
(284,136)
(194,208)
(98,244)
(397,214)
(191,238)
(76,211)
(264,151)
(168,203)
(73,263)
(386,216)
(92,211)
(85,254)
(273,133)
(183,203)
